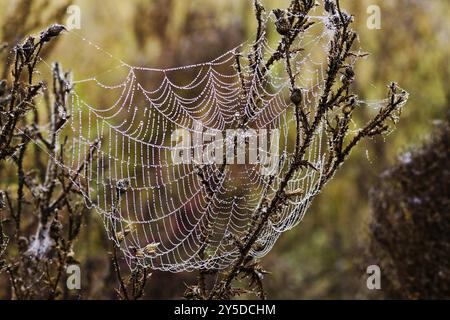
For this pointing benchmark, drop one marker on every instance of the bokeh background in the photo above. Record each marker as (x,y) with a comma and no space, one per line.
(327,254)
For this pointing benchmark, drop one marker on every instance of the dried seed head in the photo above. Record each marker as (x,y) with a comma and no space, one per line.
(228,238)
(62,112)
(140,253)
(279,14)
(349,73)
(296,96)
(282,24)
(393,87)
(71,257)
(283,27)
(347,109)
(2,87)
(51,32)
(40,191)
(122,186)
(335,20)
(121,235)
(349,76)
(22,244)
(151,248)
(330,7)
(352,101)
(55,229)
(347,17)
(28,48)
(350,106)
(295,193)
(258,246)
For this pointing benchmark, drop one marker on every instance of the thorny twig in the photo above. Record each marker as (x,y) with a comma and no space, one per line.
(336,94)
(47,254)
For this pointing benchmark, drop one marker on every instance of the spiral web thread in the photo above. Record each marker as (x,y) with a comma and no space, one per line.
(161,214)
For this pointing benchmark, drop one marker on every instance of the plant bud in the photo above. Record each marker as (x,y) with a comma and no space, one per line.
(296,96)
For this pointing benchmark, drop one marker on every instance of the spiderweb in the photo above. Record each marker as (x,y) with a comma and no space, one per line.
(186,216)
